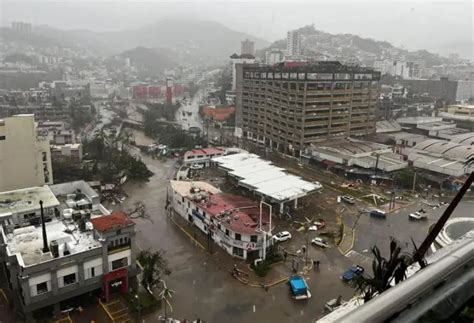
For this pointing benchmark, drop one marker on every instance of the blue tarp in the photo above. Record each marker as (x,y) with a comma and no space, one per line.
(298,285)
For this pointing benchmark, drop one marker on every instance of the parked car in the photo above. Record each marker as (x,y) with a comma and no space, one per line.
(320,242)
(378,214)
(352,272)
(282,236)
(417,216)
(196,166)
(348,199)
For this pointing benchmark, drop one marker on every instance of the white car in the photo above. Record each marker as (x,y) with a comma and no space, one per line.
(348,199)
(320,242)
(282,236)
(417,216)
(196,166)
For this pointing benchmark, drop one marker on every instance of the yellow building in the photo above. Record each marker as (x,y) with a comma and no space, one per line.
(25,157)
(465,110)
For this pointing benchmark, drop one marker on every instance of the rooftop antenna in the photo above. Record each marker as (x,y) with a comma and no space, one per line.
(43,225)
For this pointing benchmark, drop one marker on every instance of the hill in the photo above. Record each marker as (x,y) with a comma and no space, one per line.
(323,45)
(196,41)
(150,61)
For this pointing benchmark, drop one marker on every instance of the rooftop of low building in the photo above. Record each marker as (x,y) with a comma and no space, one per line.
(27,242)
(26,200)
(112,222)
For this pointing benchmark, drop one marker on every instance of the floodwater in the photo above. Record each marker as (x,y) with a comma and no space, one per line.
(203,287)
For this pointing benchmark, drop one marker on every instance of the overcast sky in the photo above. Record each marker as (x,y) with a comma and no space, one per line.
(440,26)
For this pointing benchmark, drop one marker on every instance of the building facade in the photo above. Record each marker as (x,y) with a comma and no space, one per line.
(288,108)
(230,221)
(293,43)
(247,47)
(274,56)
(25,157)
(96,258)
(237,60)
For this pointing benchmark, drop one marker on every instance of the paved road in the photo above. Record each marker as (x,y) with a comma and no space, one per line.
(205,291)
(374,231)
(188,114)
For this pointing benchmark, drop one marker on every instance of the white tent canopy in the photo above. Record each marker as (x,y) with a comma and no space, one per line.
(264,178)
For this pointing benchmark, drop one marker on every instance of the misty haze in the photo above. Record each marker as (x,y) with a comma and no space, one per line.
(276,161)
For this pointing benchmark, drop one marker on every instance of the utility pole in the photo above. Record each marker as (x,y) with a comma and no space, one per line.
(264,255)
(414,183)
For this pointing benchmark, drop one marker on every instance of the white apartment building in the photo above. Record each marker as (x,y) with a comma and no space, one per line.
(274,56)
(25,157)
(407,70)
(239,59)
(293,43)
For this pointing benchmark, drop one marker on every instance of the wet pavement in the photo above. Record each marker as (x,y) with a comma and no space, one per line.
(187,115)
(203,286)
(205,290)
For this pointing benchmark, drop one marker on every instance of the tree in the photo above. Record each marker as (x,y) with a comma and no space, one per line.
(154,267)
(166,295)
(384,271)
(406,178)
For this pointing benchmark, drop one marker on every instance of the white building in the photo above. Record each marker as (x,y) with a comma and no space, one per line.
(293,43)
(233,222)
(239,59)
(25,157)
(274,56)
(407,70)
(73,151)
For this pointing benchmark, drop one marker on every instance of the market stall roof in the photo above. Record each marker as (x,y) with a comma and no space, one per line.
(264,178)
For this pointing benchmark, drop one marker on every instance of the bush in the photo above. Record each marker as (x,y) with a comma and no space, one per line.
(145,303)
(264,266)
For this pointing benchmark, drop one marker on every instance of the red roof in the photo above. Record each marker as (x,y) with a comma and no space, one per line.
(238,213)
(205,151)
(115,221)
(219,114)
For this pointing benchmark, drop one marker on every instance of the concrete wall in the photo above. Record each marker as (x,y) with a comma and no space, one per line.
(25,160)
(185,208)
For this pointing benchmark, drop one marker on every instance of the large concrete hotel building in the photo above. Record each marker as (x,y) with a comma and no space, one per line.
(288,107)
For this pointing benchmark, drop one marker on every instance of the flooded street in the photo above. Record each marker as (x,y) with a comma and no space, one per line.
(203,285)
(187,115)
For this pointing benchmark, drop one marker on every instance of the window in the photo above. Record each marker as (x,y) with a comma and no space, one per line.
(41,288)
(69,279)
(226,232)
(119,263)
(2,137)
(45,157)
(238,236)
(92,272)
(253,238)
(238,251)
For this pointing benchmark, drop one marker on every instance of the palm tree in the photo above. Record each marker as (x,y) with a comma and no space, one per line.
(165,295)
(385,271)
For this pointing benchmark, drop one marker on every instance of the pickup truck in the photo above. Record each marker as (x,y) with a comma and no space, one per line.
(299,288)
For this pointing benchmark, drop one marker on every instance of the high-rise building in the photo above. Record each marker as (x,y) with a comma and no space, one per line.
(25,157)
(293,43)
(23,27)
(288,108)
(239,59)
(247,47)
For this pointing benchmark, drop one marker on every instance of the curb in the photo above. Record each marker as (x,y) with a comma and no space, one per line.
(187,234)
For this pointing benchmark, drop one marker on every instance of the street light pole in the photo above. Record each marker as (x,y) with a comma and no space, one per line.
(264,255)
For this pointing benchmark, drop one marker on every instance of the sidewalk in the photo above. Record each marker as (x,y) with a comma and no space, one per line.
(280,272)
